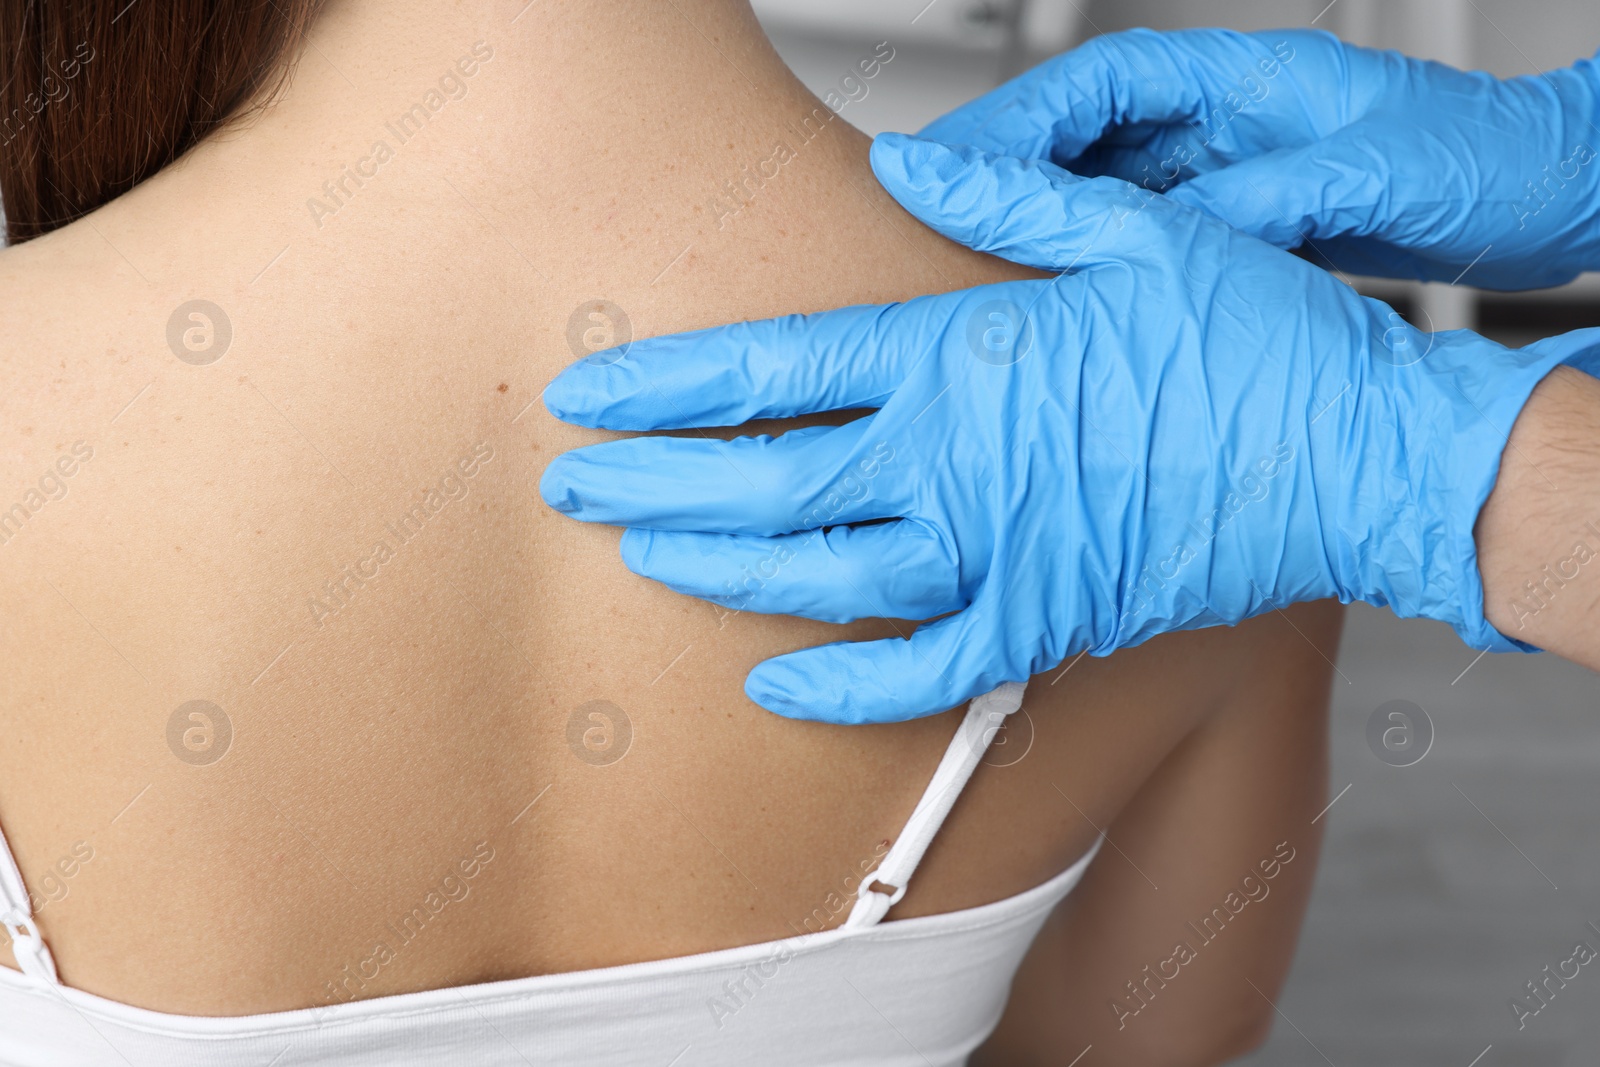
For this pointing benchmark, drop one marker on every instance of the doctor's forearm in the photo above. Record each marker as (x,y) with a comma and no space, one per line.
(1539,534)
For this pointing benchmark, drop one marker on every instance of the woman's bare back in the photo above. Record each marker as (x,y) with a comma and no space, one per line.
(299,666)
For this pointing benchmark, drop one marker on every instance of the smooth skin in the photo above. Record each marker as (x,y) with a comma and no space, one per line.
(431,711)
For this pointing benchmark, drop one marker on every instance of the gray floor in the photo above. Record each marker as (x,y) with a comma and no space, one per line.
(1447,885)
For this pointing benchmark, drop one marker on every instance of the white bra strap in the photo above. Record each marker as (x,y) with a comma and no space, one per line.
(985,715)
(16,914)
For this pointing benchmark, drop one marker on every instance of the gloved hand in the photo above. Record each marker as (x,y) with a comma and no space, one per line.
(1385,165)
(1192,428)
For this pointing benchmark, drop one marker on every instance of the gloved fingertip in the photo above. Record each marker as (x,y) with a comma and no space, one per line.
(1192,193)
(635,549)
(911,166)
(767,686)
(1222,201)
(810,690)
(587,391)
(555,400)
(784,688)
(1218,195)
(893,140)
(556,487)
(569,398)
(1277,200)
(888,158)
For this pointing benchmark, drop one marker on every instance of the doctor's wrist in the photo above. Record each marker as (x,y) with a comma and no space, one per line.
(1538,535)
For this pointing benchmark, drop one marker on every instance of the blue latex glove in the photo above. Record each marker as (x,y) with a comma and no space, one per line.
(1191,429)
(1383,164)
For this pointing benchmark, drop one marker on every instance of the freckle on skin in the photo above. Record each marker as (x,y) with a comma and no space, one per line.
(502,387)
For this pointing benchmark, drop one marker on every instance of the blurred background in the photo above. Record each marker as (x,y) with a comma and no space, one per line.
(1449,883)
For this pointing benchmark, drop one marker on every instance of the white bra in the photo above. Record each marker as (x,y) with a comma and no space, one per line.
(921,992)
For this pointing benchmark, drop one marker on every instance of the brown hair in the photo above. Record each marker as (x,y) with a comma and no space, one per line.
(98,95)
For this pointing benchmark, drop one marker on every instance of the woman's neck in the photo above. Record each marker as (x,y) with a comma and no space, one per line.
(411,116)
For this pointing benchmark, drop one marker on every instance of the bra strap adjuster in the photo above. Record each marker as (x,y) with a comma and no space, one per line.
(33,955)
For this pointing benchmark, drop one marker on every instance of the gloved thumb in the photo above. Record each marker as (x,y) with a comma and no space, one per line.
(1294,195)
(1028,211)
